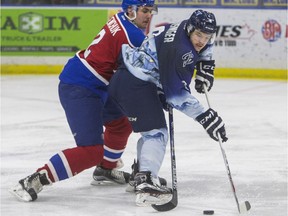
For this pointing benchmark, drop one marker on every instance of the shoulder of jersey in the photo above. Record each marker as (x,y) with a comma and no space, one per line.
(134,35)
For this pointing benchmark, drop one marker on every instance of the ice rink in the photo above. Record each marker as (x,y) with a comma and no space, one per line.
(34,128)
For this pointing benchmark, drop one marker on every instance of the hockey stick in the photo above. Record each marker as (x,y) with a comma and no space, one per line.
(243,207)
(174,201)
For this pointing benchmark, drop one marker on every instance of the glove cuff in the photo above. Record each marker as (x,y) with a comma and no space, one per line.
(206,117)
(201,64)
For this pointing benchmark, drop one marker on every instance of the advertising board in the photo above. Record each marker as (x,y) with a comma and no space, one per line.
(42,39)
(47,31)
(245,38)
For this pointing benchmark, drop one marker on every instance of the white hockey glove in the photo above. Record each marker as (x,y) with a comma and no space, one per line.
(213,124)
(204,75)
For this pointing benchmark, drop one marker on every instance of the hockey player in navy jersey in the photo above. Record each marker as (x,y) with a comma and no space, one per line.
(83,93)
(165,61)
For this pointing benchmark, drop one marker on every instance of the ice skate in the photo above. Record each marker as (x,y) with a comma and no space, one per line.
(28,188)
(135,169)
(104,176)
(149,191)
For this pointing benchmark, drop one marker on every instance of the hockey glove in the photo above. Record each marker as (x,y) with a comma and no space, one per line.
(213,124)
(204,75)
(162,98)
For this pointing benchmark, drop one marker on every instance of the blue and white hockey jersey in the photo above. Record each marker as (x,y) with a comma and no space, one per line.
(167,58)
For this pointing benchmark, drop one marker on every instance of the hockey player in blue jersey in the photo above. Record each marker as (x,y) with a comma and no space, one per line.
(165,61)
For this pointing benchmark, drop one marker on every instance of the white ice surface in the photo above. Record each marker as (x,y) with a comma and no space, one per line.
(33,128)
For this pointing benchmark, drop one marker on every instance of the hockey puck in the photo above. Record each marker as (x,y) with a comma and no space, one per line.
(208,212)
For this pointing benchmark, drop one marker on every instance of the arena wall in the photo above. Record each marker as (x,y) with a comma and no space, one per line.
(250,43)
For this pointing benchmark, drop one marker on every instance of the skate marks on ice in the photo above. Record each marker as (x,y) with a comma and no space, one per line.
(33,127)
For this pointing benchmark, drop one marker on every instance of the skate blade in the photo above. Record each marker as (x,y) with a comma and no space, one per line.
(103,183)
(20,194)
(146,199)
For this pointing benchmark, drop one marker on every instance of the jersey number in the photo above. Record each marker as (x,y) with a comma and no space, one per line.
(158,30)
(95,41)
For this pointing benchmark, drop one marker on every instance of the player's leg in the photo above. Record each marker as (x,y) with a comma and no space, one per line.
(83,110)
(117,131)
(141,104)
(116,134)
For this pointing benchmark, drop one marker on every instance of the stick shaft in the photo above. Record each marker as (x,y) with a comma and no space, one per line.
(172,149)
(174,201)
(224,157)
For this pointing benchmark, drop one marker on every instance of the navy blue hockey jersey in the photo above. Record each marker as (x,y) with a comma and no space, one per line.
(167,58)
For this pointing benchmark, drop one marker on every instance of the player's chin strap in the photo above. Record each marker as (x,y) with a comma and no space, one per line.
(134,10)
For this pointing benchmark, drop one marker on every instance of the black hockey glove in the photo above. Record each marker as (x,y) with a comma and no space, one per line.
(213,124)
(162,99)
(204,75)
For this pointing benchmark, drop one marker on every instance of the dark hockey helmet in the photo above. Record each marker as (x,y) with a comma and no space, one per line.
(137,3)
(203,21)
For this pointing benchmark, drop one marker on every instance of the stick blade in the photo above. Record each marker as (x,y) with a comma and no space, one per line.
(168,206)
(245,207)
